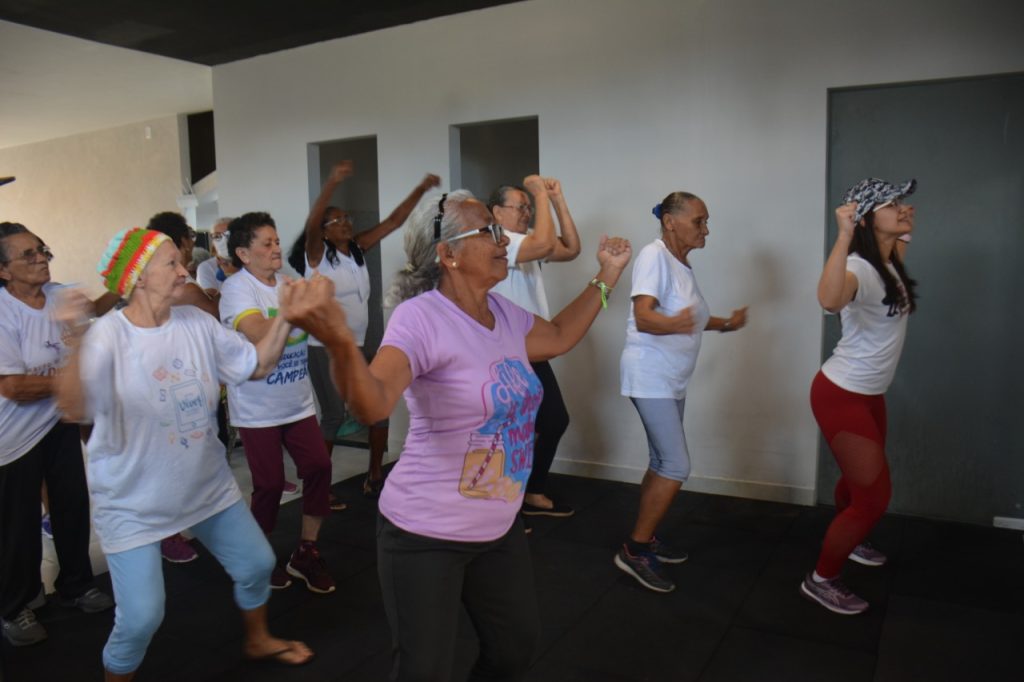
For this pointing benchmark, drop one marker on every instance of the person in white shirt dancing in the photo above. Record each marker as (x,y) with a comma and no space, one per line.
(663,339)
(149,376)
(864,280)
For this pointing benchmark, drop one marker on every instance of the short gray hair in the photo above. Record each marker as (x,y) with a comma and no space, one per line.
(422,272)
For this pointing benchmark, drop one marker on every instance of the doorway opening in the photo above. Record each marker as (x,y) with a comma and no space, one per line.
(359,196)
(486,154)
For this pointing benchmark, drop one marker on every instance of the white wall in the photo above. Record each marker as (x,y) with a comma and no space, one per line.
(56,85)
(75,192)
(635,99)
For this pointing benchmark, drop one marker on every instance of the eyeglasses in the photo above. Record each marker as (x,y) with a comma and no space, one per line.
(439,217)
(496,231)
(527,208)
(31,256)
(332,221)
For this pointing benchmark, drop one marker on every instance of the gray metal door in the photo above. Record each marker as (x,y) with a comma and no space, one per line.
(956,441)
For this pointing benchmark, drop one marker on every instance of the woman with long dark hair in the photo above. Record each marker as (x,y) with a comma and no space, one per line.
(329,245)
(864,280)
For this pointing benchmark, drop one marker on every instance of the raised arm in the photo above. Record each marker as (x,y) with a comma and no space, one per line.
(370,238)
(567,242)
(540,242)
(315,219)
(549,339)
(72,311)
(837,285)
(370,391)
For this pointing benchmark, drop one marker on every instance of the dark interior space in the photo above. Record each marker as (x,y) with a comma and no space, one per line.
(202,154)
(214,33)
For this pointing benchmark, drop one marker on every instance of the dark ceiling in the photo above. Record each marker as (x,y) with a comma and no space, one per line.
(218,31)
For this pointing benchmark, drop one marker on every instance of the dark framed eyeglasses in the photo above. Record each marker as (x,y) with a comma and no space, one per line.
(30,256)
(496,231)
(439,217)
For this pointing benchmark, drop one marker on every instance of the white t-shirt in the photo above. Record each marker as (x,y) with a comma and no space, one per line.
(660,365)
(524,285)
(283,396)
(864,361)
(30,343)
(155,466)
(206,275)
(351,289)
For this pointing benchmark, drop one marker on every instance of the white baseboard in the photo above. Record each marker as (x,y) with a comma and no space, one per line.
(1010,522)
(755,490)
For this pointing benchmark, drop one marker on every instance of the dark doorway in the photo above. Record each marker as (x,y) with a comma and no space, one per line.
(956,440)
(359,196)
(487,154)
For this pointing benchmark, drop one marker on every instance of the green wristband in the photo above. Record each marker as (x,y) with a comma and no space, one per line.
(604,289)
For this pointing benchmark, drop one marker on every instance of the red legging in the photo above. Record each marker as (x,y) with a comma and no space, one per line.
(854,426)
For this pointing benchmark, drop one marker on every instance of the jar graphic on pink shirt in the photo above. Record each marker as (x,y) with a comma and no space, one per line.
(483,470)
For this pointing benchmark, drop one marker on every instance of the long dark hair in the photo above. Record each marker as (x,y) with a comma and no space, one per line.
(297,254)
(865,245)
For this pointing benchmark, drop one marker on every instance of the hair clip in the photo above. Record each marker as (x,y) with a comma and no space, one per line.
(439,216)
(657,211)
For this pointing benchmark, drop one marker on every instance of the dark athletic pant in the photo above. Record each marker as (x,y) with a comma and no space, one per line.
(57,459)
(424,582)
(552,421)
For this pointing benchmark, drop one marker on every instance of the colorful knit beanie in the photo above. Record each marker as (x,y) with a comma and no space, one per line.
(126,257)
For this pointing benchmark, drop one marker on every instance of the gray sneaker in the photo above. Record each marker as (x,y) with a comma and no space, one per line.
(865,553)
(833,595)
(91,601)
(23,630)
(646,568)
(667,554)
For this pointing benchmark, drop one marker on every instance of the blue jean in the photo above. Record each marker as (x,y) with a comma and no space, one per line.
(232,536)
(663,422)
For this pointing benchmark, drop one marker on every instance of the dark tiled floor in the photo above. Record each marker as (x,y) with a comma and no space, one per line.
(950,606)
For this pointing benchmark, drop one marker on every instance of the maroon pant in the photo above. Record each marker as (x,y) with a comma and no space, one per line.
(266,462)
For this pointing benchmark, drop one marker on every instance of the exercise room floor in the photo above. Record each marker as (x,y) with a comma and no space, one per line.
(950,606)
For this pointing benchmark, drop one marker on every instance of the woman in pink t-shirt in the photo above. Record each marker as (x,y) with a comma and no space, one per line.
(448,533)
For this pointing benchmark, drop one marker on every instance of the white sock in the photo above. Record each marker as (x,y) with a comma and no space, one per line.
(817,578)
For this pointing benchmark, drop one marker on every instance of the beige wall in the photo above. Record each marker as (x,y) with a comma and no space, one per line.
(76,192)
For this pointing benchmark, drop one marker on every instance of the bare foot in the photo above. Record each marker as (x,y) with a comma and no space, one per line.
(539,500)
(281,651)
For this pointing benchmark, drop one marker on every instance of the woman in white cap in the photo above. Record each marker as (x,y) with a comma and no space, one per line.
(148,375)
(864,280)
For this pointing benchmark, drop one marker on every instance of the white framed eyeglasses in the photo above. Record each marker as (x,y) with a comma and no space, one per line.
(496,231)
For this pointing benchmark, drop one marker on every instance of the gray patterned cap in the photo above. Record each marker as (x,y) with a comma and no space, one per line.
(871,192)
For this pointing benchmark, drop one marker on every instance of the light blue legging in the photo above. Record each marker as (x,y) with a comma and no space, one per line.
(666,442)
(232,536)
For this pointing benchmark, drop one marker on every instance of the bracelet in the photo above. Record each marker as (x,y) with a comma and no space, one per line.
(604,289)
(726,327)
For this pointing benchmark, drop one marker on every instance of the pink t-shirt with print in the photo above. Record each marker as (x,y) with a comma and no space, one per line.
(472,406)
